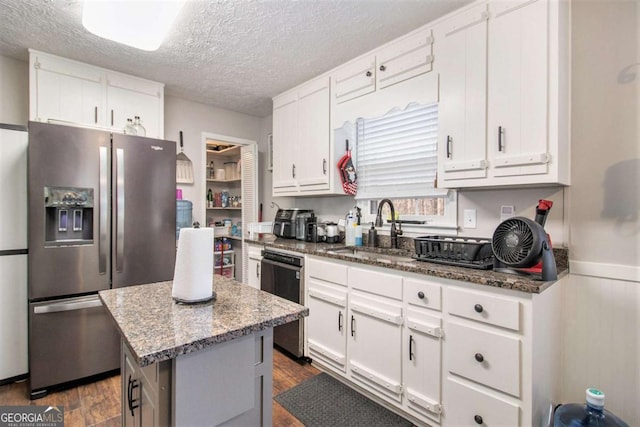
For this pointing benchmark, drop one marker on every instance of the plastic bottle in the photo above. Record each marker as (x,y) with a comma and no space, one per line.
(209,198)
(590,414)
(350,230)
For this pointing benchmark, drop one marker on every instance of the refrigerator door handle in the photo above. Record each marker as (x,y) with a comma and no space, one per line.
(103,218)
(119,209)
(80,304)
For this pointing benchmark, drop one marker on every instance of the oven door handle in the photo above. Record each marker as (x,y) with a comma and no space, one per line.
(281,264)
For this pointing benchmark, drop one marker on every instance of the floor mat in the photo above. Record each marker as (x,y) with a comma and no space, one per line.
(323,401)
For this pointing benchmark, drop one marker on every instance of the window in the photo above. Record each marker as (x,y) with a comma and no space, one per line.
(397,158)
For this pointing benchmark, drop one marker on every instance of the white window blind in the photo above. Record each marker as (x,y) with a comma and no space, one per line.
(397,153)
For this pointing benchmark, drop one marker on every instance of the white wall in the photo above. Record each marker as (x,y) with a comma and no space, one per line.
(601,323)
(14,91)
(193,118)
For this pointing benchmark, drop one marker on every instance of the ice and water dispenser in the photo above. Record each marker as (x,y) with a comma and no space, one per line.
(68,215)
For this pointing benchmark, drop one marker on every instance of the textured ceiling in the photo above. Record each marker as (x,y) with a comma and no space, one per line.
(235,54)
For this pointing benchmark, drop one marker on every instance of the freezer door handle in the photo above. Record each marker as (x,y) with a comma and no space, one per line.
(119,209)
(56,307)
(104,206)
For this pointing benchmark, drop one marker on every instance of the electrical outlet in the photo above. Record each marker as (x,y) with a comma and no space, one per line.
(506,212)
(469,218)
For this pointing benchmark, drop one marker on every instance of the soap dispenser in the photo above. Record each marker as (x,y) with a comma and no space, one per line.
(350,230)
(371,238)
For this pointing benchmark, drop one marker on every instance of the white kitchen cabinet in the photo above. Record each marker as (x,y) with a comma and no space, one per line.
(404,58)
(422,352)
(504,95)
(129,96)
(327,322)
(69,91)
(518,88)
(301,140)
(375,331)
(400,60)
(65,90)
(355,79)
(255,259)
(462,61)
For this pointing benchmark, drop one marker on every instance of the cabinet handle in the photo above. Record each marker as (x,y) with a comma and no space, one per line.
(449,143)
(382,68)
(368,74)
(95,114)
(478,308)
(111,117)
(500,133)
(353,326)
(479,357)
(324,166)
(421,295)
(410,347)
(258,270)
(340,321)
(131,384)
(293,171)
(478,419)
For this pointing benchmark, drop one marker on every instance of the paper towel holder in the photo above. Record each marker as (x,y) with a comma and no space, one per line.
(207,299)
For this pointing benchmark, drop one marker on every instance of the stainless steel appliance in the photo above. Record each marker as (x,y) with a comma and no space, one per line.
(301,224)
(284,225)
(13,253)
(102,215)
(282,275)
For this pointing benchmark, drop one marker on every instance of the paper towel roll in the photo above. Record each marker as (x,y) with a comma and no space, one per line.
(193,274)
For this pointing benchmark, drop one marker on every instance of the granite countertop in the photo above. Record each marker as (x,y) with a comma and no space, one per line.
(157,328)
(481,277)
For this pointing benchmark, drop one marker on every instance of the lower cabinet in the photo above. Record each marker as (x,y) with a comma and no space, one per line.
(255,258)
(437,351)
(146,398)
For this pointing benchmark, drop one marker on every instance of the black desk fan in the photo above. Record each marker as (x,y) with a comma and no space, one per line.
(523,244)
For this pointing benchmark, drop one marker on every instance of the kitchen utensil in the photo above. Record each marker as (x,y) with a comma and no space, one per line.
(347,172)
(184,167)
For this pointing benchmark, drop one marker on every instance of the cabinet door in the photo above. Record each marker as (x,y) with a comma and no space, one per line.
(463,96)
(354,80)
(406,58)
(253,278)
(285,139)
(375,345)
(129,98)
(128,378)
(327,324)
(518,87)
(469,407)
(312,160)
(148,409)
(421,364)
(65,91)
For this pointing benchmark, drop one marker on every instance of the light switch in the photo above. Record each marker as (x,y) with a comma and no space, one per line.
(469,218)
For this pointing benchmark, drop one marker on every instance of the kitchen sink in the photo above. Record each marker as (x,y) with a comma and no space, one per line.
(384,255)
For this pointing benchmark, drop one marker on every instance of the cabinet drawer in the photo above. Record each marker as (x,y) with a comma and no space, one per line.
(421,293)
(254,252)
(327,271)
(484,308)
(484,357)
(465,406)
(376,282)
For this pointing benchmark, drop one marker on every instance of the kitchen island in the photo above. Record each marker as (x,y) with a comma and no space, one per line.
(201,364)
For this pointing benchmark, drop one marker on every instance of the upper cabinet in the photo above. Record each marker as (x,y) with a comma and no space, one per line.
(64,90)
(401,60)
(504,95)
(301,140)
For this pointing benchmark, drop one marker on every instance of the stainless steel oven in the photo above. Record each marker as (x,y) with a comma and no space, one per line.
(282,275)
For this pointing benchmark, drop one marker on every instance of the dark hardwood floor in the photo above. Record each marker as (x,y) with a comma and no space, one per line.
(98,404)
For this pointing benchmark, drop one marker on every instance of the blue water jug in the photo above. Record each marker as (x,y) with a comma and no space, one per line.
(591,414)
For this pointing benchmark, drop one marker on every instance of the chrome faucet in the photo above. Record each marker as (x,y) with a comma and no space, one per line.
(394,232)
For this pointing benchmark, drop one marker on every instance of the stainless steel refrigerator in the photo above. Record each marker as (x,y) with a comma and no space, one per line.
(13,253)
(102,214)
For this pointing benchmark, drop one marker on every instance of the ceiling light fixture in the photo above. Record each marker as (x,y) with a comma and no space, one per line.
(142,24)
